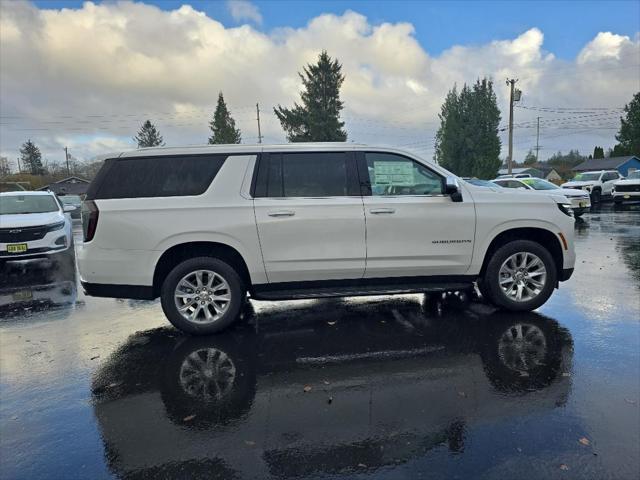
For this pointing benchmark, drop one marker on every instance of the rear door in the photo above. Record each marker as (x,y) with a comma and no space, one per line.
(413,228)
(309,216)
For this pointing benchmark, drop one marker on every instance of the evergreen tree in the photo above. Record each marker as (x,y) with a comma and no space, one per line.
(467,142)
(31,158)
(148,136)
(318,118)
(629,133)
(598,152)
(222,125)
(530,159)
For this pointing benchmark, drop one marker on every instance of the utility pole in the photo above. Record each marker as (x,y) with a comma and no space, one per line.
(66,157)
(537,139)
(19,168)
(258,119)
(511,83)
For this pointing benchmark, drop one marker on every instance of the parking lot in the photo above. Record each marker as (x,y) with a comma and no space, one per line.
(387,387)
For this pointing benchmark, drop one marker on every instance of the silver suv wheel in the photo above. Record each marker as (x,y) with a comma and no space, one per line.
(522,276)
(202,296)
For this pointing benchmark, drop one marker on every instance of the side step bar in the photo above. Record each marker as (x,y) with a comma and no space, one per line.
(353,291)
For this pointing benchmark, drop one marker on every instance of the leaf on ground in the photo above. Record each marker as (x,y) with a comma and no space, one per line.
(251,443)
(630,401)
(362,465)
(462,394)
(331,323)
(307,388)
(564,467)
(566,374)
(93,358)
(326,382)
(585,441)
(188,418)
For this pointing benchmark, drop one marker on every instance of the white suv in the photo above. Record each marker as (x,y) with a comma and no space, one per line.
(33,226)
(202,226)
(597,184)
(627,189)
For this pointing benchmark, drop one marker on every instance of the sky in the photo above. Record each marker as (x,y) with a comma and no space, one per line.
(86,75)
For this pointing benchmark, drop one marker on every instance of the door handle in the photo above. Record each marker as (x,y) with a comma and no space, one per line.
(377,211)
(282,213)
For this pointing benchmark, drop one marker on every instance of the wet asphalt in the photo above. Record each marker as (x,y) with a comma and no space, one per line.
(399,387)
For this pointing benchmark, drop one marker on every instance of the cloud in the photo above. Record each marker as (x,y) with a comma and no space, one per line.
(242,10)
(97,72)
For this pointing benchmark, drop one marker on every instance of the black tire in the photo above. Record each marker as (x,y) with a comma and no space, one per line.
(596,195)
(491,278)
(226,271)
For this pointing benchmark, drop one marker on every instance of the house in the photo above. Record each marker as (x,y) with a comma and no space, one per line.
(549,173)
(624,165)
(534,172)
(68,186)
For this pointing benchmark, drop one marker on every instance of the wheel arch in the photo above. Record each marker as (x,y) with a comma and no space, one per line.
(183,251)
(544,237)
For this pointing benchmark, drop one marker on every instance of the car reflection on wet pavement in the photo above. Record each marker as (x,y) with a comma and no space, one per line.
(393,387)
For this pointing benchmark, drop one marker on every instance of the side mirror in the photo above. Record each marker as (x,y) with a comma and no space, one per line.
(69,208)
(452,188)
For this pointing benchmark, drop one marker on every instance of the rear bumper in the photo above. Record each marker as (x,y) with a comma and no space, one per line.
(565,274)
(135,292)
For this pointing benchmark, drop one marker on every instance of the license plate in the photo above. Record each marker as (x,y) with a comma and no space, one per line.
(17,248)
(22,295)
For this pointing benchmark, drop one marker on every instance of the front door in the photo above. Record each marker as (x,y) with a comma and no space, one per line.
(413,228)
(310,217)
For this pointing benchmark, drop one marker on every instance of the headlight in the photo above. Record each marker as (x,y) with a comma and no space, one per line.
(613,189)
(566,209)
(55,226)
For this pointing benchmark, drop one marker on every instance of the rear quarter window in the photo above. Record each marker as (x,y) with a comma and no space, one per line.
(168,176)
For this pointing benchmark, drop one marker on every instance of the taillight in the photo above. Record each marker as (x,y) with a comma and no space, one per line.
(89,219)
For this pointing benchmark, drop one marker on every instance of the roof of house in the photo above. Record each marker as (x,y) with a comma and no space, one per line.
(610,163)
(515,171)
(64,180)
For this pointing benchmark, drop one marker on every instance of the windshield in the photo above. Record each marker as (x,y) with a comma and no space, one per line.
(483,183)
(70,200)
(539,184)
(634,175)
(17,204)
(586,177)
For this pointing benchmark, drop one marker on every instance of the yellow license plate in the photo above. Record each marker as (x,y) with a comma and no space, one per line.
(583,204)
(22,295)
(17,248)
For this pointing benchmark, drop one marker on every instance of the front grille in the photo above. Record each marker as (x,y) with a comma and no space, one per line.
(576,187)
(24,234)
(627,188)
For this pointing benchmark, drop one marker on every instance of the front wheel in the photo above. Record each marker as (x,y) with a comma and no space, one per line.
(520,276)
(595,197)
(202,295)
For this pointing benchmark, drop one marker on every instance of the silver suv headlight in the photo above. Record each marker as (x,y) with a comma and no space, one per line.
(566,208)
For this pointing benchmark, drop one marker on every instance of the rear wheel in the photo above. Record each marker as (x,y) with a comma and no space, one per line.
(520,276)
(202,295)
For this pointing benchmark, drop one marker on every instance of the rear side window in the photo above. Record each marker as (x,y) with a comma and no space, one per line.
(169,176)
(308,174)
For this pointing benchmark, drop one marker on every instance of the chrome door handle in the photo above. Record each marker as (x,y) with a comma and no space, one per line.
(282,213)
(377,211)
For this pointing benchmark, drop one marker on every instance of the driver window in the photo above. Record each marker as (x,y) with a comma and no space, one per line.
(391,174)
